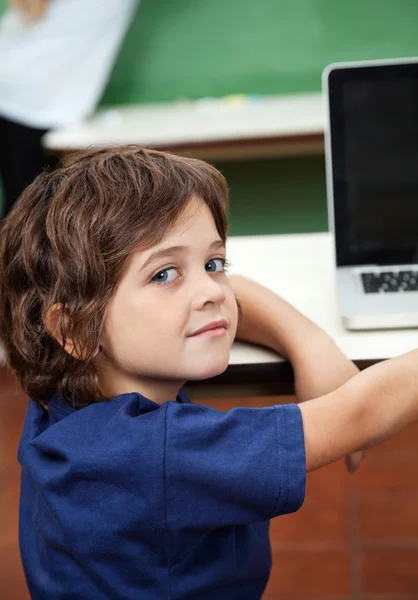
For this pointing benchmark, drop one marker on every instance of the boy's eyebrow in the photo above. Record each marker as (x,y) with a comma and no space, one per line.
(156,256)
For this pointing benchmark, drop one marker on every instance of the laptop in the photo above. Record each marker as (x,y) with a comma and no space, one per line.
(371,151)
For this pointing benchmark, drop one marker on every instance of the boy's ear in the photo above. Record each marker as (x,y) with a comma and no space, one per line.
(52,326)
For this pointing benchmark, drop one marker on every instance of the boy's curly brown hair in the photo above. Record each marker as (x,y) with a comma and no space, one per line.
(66,242)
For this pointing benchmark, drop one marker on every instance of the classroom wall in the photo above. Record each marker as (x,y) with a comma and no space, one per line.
(196,49)
(276,195)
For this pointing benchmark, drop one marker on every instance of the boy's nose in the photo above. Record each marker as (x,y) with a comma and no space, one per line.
(208,291)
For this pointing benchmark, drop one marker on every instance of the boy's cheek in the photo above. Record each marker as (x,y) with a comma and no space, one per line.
(233,316)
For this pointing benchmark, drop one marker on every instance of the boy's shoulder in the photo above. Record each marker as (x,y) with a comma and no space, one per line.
(86,435)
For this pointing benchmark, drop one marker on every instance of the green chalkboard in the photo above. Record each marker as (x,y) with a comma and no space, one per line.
(199,48)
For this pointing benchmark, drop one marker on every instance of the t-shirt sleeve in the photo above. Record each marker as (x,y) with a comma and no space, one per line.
(239,467)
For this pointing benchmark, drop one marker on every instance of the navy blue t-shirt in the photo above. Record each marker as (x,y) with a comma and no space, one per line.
(131,500)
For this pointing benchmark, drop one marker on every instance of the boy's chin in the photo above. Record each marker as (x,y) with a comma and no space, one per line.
(208,371)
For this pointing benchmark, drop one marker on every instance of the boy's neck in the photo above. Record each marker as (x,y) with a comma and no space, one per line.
(157,391)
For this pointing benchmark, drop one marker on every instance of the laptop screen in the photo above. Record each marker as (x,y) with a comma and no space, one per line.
(374,147)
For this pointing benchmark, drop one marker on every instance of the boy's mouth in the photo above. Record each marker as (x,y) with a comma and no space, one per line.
(213,329)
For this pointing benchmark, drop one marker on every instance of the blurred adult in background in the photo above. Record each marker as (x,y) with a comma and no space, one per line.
(56,57)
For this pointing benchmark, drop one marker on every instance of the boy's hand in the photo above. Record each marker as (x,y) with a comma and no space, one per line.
(352,461)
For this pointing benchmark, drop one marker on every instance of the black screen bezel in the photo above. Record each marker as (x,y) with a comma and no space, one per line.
(336,79)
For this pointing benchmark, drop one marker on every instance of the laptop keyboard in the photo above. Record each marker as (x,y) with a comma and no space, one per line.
(390,281)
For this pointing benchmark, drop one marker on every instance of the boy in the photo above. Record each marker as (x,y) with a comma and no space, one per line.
(113,295)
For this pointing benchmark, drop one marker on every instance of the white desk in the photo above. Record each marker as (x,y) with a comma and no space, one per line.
(300,268)
(230,128)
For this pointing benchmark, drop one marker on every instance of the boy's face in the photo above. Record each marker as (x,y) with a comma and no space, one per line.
(167,294)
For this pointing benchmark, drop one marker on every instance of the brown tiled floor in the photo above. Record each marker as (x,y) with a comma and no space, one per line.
(356,538)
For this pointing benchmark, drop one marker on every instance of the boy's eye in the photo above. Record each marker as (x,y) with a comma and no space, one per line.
(170,274)
(215,265)
(165,276)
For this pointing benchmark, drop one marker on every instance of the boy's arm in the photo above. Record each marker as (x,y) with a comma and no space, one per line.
(318,364)
(365,411)
(268,320)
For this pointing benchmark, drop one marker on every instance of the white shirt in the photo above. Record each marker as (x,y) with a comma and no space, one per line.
(53,71)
